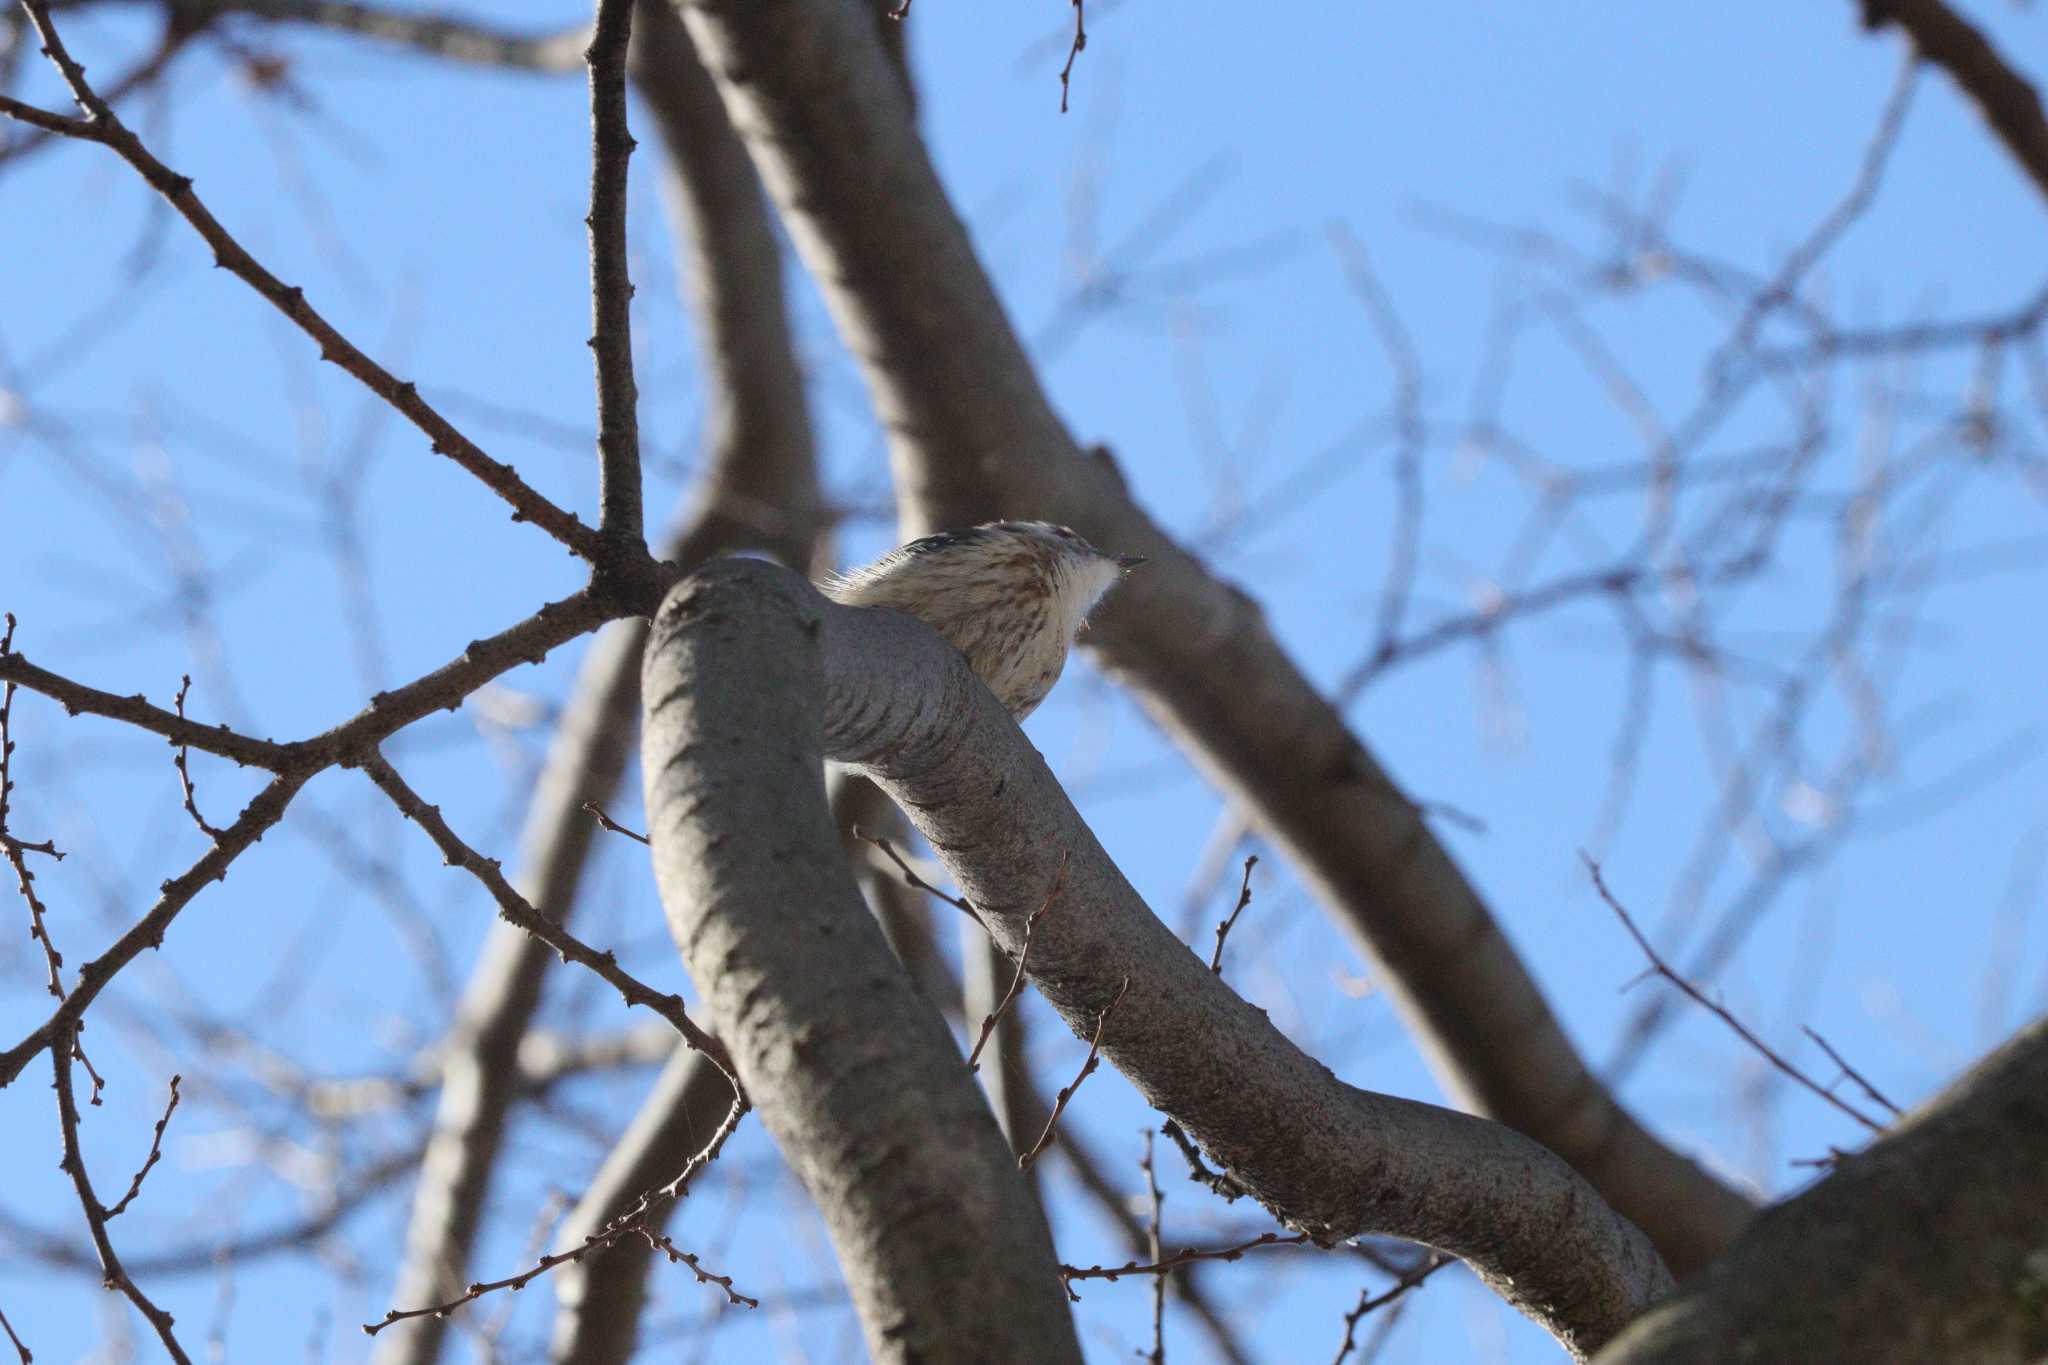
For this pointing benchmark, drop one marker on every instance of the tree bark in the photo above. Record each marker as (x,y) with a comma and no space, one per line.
(973,436)
(853,1072)
(901,704)
(1931,1245)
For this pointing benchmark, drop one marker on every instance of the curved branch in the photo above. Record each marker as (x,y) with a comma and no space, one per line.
(1330,1159)
(973,436)
(855,1075)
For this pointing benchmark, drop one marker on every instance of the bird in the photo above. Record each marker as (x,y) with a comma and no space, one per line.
(1010,595)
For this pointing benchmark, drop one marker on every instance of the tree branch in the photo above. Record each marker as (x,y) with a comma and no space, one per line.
(103,126)
(759,491)
(973,436)
(1329,1159)
(2008,101)
(855,1075)
(611,287)
(1924,1246)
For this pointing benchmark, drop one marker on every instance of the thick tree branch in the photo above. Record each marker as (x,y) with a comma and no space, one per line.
(856,1076)
(759,491)
(1925,1246)
(973,436)
(1329,1159)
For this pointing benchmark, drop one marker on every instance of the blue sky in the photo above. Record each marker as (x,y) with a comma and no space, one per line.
(162,421)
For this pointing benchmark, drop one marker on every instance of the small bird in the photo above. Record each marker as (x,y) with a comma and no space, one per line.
(1010,595)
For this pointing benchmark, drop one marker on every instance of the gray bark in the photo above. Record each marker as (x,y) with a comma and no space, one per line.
(973,436)
(1931,1245)
(899,703)
(760,492)
(854,1074)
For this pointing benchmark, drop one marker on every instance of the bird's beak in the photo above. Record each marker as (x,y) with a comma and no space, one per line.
(1128,562)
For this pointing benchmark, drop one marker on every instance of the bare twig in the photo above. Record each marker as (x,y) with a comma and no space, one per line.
(1862,1082)
(910,878)
(1185,1256)
(989,1022)
(257,817)
(516,909)
(180,27)
(179,761)
(77,698)
(20,1349)
(611,287)
(73,1165)
(18,849)
(1398,590)
(103,126)
(634,1223)
(1223,928)
(1369,1302)
(1073,51)
(1059,1102)
(1658,967)
(1219,1184)
(156,1151)
(448,36)
(596,812)
(1158,1352)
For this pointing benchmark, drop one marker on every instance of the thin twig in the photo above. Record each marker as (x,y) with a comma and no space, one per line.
(1658,967)
(156,1151)
(1153,1248)
(256,818)
(988,1024)
(1185,1256)
(637,1221)
(1369,1302)
(911,878)
(634,1223)
(103,126)
(1853,1074)
(1059,1103)
(1219,1184)
(184,771)
(27,1358)
(515,909)
(18,849)
(1073,51)
(611,285)
(596,812)
(73,1165)
(1244,898)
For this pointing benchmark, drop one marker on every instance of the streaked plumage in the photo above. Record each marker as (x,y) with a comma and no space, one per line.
(1010,595)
